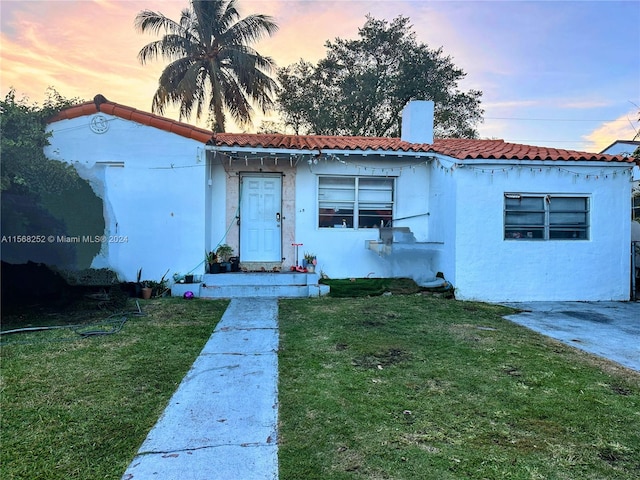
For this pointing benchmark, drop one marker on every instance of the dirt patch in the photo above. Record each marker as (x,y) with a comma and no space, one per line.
(620,390)
(511,371)
(372,323)
(386,358)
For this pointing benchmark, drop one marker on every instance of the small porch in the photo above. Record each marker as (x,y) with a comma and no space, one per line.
(254,284)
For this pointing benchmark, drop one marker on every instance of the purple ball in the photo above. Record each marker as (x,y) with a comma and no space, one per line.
(188,295)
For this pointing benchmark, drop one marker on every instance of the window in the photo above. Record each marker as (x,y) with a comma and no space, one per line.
(545,217)
(635,206)
(355,202)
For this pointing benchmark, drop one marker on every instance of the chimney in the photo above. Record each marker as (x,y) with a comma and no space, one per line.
(417,122)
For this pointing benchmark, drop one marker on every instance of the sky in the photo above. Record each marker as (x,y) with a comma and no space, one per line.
(563,74)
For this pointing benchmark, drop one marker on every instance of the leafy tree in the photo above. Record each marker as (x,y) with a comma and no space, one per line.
(24,167)
(362,85)
(35,192)
(212,67)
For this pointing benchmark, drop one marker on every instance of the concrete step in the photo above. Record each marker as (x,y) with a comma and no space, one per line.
(248,291)
(265,285)
(241,278)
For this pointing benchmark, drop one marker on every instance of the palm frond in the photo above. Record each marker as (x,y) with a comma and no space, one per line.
(148,21)
(211,65)
(250,29)
(170,47)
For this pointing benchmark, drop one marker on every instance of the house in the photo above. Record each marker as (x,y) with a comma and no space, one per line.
(499,221)
(627,148)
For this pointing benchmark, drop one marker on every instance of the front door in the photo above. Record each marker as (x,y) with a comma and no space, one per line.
(260,217)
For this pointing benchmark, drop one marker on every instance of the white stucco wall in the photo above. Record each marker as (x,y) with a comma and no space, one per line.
(153,192)
(442,225)
(490,268)
(628,147)
(171,204)
(341,252)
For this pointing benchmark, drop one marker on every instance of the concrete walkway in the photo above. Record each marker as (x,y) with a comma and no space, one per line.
(607,329)
(221,423)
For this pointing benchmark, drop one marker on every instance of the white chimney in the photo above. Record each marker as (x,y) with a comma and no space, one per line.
(417,122)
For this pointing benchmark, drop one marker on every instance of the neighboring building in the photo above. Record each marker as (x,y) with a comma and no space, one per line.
(501,221)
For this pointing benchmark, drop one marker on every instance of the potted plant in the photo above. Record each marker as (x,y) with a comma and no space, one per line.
(310,262)
(211,259)
(160,288)
(147,289)
(224,253)
(235,264)
(151,288)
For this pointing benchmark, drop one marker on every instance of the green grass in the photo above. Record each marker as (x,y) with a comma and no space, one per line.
(418,387)
(362,287)
(394,387)
(79,408)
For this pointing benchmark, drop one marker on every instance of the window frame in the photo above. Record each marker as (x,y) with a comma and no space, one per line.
(635,206)
(548,229)
(356,216)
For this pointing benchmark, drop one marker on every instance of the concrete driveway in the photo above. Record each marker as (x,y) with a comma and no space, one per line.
(607,329)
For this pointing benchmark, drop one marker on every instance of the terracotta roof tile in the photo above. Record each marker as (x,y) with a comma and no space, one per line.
(127,113)
(461,149)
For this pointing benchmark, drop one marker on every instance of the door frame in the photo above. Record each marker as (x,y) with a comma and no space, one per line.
(243,214)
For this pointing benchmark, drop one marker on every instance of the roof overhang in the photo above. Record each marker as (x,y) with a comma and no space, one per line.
(257,152)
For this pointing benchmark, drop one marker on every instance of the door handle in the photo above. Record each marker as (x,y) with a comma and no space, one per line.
(278,217)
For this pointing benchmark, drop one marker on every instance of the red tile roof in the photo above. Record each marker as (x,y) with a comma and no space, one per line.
(138,116)
(462,149)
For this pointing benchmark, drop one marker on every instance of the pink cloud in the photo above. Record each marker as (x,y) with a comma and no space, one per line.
(80,48)
(622,128)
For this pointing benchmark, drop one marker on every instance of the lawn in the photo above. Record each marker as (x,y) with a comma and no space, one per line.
(403,386)
(77,407)
(418,387)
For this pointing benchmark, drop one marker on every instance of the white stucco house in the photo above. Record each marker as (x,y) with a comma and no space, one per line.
(627,148)
(500,221)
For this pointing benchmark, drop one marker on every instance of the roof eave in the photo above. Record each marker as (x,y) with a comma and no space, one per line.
(258,150)
(586,162)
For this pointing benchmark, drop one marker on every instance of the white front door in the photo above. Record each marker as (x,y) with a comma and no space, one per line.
(260,218)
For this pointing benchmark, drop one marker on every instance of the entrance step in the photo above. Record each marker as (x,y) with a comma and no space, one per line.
(260,284)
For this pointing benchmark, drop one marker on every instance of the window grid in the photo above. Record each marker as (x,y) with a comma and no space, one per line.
(355,202)
(545,217)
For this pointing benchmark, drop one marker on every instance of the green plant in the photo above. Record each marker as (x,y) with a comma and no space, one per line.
(158,288)
(309,257)
(224,252)
(210,257)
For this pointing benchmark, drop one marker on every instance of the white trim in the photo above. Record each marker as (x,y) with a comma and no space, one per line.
(274,151)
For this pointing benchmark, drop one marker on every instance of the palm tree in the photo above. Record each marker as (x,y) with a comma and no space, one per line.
(211,65)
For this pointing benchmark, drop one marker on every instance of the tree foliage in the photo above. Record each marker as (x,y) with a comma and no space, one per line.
(212,67)
(362,85)
(39,196)
(24,167)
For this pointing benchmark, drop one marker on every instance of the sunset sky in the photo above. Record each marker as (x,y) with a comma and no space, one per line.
(558,74)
